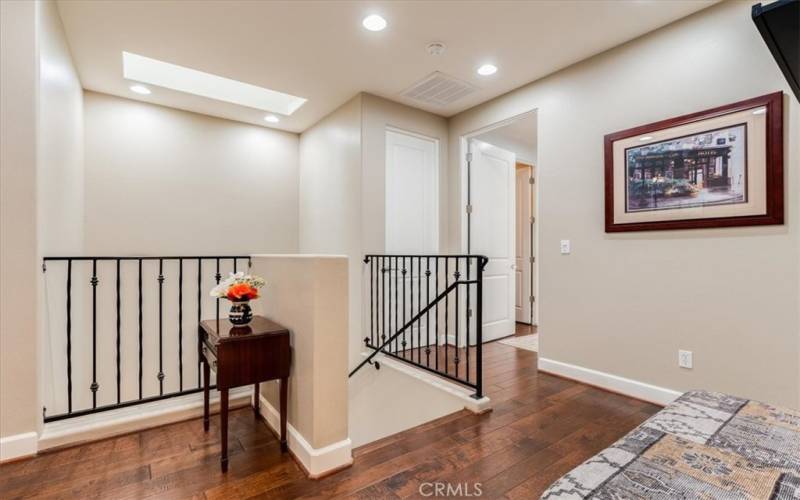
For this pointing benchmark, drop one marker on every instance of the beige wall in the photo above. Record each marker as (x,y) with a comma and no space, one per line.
(308,295)
(342,192)
(330,198)
(168,182)
(378,114)
(19,269)
(624,304)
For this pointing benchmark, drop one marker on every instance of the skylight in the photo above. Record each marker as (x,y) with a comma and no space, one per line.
(146,70)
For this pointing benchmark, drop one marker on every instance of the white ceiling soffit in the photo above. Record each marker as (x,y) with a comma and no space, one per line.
(320,51)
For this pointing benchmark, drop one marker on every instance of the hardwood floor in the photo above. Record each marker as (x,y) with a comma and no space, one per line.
(540,428)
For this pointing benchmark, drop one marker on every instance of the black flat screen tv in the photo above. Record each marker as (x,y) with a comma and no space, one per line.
(779,25)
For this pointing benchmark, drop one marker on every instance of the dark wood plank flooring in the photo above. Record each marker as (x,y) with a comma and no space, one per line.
(540,428)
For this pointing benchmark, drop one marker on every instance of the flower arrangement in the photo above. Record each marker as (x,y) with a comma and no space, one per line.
(238,287)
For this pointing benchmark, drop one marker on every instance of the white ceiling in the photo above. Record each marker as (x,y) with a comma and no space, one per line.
(318,49)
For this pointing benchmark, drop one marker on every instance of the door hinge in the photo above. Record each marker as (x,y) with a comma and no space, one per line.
(531,180)
(469,209)
(469,157)
(533,220)
(469,313)
(532,259)
(533,299)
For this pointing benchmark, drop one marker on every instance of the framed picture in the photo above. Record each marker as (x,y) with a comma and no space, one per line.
(716,168)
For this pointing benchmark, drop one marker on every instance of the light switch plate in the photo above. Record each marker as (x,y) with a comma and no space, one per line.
(565,247)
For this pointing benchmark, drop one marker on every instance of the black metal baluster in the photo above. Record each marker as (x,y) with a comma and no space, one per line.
(411,310)
(234,265)
(479,330)
(217,277)
(457,275)
(419,307)
(199,316)
(180,324)
(397,340)
(469,314)
(446,314)
(368,340)
(119,331)
(396,317)
(436,339)
(94,281)
(404,272)
(390,331)
(428,314)
(140,329)
(383,300)
(69,336)
(160,375)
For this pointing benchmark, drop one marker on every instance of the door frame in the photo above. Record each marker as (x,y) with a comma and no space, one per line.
(464,199)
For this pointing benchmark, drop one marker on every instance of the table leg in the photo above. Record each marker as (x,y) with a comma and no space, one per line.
(256,397)
(284,399)
(223,418)
(206,383)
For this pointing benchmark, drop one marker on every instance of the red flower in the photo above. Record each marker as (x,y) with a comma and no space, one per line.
(242,291)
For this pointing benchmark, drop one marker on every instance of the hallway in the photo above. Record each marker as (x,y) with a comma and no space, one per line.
(540,428)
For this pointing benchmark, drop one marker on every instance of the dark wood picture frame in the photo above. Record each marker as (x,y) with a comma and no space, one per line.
(774,168)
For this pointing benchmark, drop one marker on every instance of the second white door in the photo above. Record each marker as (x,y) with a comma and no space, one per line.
(412,194)
(492,233)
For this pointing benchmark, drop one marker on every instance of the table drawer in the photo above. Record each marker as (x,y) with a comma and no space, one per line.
(210,355)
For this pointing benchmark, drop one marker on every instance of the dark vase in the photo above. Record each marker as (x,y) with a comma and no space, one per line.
(240,314)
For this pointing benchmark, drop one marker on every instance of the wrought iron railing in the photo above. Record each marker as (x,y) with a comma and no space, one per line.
(123,329)
(426,310)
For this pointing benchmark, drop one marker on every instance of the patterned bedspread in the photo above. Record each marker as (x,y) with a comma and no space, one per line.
(704,445)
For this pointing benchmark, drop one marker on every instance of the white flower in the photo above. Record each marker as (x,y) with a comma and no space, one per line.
(221,290)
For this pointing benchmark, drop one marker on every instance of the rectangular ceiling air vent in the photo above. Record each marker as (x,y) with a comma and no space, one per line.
(439,89)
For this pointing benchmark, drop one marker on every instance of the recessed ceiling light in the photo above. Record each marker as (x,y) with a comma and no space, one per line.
(140,89)
(192,81)
(374,22)
(645,138)
(272,119)
(487,69)
(760,111)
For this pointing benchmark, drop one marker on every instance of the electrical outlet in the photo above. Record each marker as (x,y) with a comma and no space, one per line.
(565,247)
(685,359)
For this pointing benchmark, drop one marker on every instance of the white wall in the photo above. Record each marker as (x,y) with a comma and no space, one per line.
(729,295)
(18,263)
(161,181)
(60,179)
(60,140)
(158,181)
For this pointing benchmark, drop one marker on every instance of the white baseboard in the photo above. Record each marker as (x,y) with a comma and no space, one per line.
(477,406)
(134,418)
(316,461)
(18,446)
(633,388)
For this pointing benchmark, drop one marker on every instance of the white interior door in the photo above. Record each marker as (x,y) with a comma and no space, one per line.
(523,296)
(412,201)
(412,226)
(492,196)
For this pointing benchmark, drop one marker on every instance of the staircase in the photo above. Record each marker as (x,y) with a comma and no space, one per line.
(426,310)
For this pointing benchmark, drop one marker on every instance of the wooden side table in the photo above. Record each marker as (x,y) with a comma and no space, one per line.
(242,356)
